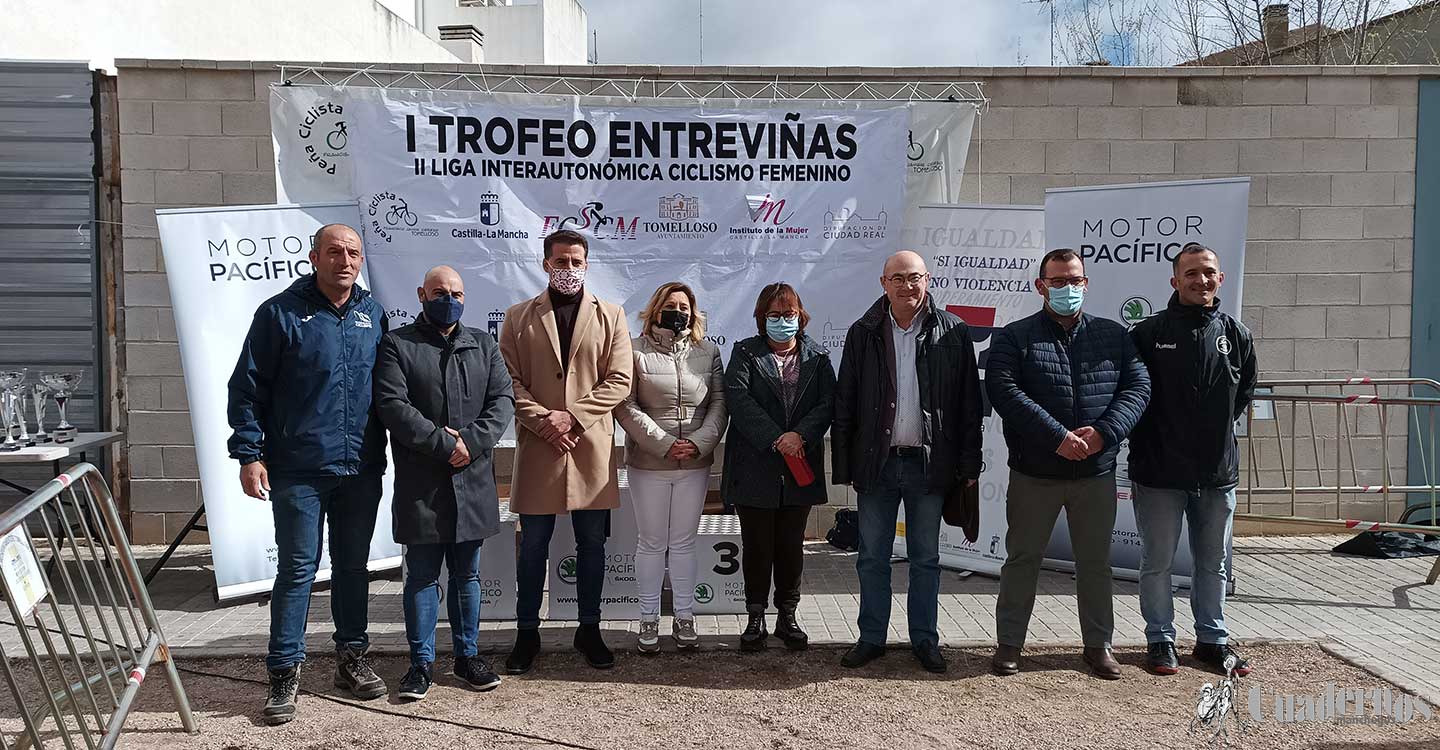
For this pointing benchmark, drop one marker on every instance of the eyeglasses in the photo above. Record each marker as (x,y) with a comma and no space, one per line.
(914,279)
(1060,282)
(789,317)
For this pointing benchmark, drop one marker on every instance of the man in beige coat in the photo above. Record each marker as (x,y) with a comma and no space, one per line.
(569,356)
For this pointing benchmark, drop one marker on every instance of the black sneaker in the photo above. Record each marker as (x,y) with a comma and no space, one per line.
(354,673)
(522,655)
(415,685)
(476,673)
(589,642)
(788,630)
(284,694)
(1215,656)
(1162,658)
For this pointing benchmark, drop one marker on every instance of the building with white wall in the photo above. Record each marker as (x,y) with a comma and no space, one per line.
(384,31)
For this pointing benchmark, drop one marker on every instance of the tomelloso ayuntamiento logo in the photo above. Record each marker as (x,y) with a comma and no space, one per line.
(323,133)
(679,216)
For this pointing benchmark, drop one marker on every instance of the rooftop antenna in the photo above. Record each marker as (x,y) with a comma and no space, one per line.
(702,32)
(1050,3)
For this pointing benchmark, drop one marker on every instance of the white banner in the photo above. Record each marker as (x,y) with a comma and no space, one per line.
(982,263)
(1128,236)
(935,150)
(310,129)
(221,263)
(663,194)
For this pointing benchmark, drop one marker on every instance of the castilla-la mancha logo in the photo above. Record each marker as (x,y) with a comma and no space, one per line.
(324,136)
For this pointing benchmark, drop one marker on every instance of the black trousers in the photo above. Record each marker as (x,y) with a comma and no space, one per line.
(774,543)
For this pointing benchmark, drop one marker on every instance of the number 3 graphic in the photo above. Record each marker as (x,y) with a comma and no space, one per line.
(729,558)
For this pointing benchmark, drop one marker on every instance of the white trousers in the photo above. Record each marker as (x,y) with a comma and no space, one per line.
(667,514)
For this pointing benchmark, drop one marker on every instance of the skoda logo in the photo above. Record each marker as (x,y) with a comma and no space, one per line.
(704,594)
(566,570)
(1134,310)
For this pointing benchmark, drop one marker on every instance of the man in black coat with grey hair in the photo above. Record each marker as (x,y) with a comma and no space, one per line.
(445,394)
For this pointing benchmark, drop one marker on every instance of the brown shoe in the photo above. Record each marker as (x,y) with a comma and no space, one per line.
(1102,664)
(1006,660)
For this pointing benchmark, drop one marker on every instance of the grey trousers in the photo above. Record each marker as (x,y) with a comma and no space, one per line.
(1031,508)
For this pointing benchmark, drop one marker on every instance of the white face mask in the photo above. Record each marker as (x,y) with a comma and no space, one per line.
(567,280)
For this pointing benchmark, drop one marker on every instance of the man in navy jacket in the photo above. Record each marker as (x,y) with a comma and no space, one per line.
(308,440)
(1069,388)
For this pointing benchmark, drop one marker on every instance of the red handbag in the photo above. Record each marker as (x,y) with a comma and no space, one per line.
(800,469)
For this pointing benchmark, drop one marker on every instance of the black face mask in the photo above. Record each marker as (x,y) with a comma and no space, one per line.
(674,320)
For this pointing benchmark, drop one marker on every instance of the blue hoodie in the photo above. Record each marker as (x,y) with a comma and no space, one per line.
(300,394)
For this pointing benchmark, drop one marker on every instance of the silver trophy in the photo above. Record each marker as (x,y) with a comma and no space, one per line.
(37,397)
(61,386)
(10,408)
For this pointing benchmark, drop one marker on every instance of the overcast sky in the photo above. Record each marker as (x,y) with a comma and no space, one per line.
(821,32)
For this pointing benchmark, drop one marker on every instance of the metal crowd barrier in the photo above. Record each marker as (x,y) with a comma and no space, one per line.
(1367,416)
(83,632)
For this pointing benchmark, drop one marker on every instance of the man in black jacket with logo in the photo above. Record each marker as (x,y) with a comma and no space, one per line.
(907,429)
(1183,458)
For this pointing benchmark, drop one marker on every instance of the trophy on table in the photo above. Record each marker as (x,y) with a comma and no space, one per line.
(37,397)
(11,407)
(61,386)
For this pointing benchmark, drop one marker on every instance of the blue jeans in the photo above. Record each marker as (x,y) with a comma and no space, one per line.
(1158,514)
(422,598)
(902,480)
(303,508)
(591,528)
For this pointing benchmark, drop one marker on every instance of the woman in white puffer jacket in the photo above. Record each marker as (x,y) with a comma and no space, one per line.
(673,420)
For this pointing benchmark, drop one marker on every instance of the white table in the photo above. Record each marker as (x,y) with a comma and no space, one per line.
(53,453)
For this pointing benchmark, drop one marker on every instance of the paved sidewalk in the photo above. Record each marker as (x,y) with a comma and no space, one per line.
(1378,614)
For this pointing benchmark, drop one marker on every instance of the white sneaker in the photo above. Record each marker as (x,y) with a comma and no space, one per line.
(683,631)
(649,641)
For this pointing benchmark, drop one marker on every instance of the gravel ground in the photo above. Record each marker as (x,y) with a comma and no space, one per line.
(776,700)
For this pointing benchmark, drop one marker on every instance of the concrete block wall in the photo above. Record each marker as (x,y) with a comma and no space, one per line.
(1331,152)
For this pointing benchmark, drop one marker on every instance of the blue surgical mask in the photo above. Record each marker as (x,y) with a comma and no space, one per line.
(782,330)
(444,312)
(1066,300)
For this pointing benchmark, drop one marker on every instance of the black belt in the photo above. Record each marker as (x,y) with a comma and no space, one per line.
(906,451)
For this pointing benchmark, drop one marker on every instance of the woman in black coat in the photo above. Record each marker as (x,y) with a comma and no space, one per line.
(444,393)
(780,388)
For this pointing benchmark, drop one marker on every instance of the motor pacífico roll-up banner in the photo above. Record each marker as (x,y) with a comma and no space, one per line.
(1128,236)
(221,264)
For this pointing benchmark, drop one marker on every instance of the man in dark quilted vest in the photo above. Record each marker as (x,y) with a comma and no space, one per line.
(1069,387)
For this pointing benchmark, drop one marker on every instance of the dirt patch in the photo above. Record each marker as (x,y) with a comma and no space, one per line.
(776,700)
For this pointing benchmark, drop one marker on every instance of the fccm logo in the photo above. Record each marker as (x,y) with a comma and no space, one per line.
(849,225)
(490,215)
(680,216)
(1134,310)
(323,134)
(592,218)
(389,214)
